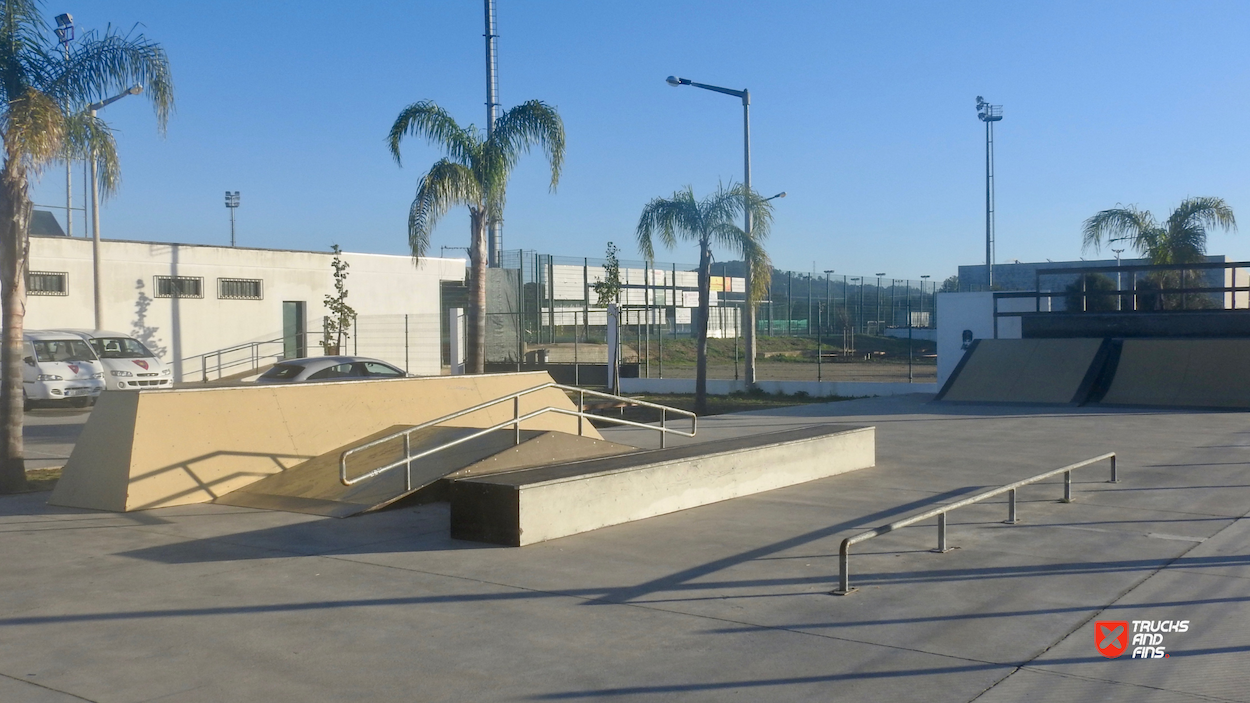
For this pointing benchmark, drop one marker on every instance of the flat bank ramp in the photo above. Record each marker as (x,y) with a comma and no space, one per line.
(1026,371)
(314,487)
(1197,373)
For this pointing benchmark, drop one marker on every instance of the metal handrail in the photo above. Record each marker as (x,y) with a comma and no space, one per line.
(515,422)
(844,552)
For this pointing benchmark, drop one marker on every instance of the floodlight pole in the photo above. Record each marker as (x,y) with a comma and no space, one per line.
(232,203)
(494,243)
(92,109)
(745,95)
(65,34)
(989,114)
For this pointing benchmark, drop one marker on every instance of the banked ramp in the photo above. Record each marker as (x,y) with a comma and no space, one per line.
(1031,371)
(1195,373)
(314,486)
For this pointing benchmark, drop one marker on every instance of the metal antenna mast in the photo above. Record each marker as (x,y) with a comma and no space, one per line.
(989,114)
(494,236)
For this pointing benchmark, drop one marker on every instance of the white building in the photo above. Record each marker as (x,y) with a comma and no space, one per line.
(185,301)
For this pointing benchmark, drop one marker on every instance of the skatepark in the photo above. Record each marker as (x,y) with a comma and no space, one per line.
(726,592)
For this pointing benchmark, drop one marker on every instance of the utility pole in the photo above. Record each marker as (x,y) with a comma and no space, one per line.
(65,34)
(232,203)
(989,114)
(494,243)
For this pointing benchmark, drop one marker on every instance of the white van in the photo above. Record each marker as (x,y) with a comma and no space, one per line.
(128,365)
(59,366)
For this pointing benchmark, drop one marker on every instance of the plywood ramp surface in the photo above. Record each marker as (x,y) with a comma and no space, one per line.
(1026,371)
(1199,373)
(151,449)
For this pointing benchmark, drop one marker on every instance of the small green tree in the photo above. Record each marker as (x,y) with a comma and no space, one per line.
(610,287)
(338,322)
(950,285)
(1097,294)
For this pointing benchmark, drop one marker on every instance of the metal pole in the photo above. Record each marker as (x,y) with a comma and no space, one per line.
(493,235)
(663,434)
(95,237)
(1067,486)
(1011,507)
(910,355)
(407,462)
(1115,476)
(989,206)
(516,415)
(749,338)
(581,408)
(941,547)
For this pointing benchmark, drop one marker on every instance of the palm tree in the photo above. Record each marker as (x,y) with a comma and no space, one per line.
(1182,239)
(475,173)
(42,120)
(708,222)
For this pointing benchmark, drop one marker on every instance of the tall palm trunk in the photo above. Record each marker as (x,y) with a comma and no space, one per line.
(705,286)
(476,361)
(14,245)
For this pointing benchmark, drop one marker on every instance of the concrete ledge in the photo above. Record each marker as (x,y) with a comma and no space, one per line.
(535,505)
(816,389)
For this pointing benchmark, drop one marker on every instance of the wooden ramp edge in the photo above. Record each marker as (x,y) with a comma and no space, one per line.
(151,449)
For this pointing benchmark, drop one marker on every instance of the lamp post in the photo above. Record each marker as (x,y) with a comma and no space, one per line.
(232,203)
(924,278)
(92,109)
(1119,297)
(989,114)
(745,96)
(859,316)
(878,320)
(65,34)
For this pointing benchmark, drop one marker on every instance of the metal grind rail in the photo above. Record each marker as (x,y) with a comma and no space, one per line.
(515,422)
(844,553)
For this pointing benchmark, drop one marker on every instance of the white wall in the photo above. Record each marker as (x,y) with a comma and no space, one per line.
(182,328)
(957,312)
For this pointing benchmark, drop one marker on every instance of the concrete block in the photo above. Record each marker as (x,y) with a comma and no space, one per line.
(534,505)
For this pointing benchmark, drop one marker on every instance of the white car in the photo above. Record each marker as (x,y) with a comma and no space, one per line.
(128,365)
(59,366)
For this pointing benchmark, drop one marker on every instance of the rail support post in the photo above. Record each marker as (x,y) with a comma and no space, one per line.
(1011,508)
(407,462)
(941,547)
(663,430)
(1067,486)
(844,570)
(516,415)
(1115,476)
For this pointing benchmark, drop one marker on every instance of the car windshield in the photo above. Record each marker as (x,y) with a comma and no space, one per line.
(283,371)
(120,348)
(63,350)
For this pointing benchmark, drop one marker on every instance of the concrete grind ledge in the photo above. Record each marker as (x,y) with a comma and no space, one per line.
(534,505)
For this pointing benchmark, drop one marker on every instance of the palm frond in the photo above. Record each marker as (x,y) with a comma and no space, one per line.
(104,64)
(24,41)
(446,185)
(88,137)
(1204,213)
(668,219)
(33,127)
(530,123)
(426,119)
(1118,222)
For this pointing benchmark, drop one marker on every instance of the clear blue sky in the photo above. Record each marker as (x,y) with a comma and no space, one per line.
(863,112)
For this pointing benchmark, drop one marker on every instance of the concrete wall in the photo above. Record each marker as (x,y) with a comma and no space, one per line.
(959,312)
(178,329)
(817,389)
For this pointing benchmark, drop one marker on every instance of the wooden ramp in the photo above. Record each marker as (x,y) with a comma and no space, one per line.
(314,486)
(1026,371)
(1190,373)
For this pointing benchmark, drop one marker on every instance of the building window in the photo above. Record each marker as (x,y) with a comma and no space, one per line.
(179,287)
(240,289)
(46,283)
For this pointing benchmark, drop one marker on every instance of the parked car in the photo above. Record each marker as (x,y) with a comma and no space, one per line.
(329,368)
(128,365)
(59,366)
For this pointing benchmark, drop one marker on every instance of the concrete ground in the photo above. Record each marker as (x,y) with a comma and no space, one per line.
(724,602)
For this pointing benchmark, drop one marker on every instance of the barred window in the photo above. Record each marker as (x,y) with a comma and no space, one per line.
(240,289)
(179,287)
(46,283)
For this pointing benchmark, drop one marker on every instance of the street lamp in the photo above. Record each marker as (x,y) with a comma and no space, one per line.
(924,278)
(95,204)
(65,34)
(878,320)
(989,114)
(745,96)
(860,315)
(232,202)
(1118,284)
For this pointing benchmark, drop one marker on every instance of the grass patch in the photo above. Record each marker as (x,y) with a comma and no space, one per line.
(38,480)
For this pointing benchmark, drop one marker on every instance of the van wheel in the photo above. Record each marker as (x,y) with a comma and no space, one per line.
(25,401)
